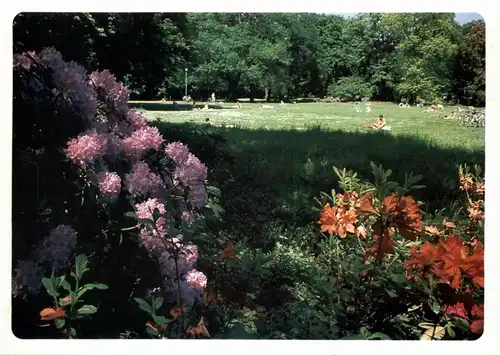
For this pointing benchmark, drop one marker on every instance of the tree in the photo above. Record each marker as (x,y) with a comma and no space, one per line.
(469,71)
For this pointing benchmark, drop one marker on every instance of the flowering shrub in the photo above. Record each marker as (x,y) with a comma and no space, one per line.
(119,161)
(443,265)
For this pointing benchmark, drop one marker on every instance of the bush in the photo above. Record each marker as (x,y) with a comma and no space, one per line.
(106,184)
(472,118)
(352,88)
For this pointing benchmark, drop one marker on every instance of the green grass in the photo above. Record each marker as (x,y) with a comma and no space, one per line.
(339,116)
(282,158)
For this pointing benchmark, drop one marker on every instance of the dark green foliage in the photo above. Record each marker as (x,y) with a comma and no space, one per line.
(352,88)
(277,56)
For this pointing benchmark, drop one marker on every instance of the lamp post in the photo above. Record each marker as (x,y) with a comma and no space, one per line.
(186,82)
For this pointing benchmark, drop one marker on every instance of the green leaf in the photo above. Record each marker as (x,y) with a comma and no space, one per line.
(152,332)
(146,307)
(380,336)
(81,265)
(365,267)
(130,214)
(59,323)
(66,285)
(160,320)
(449,329)
(434,305)
(157,303)
(88,287)
(87,309)
(49,286)
(60,281)
(146,221)
(392,294)
(98,286)
(72,331)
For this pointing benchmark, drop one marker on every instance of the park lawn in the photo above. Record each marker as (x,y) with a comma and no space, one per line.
(331,117)
(284,156)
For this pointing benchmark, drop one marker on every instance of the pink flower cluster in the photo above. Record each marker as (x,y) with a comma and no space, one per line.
(187,256)
(117,134)
(190,172)
(58,246)
(24,61)
(70,79)
(196,279)
(141,140)
(114,90)
(110,183)
(55,249)
(141,181)
(87,147)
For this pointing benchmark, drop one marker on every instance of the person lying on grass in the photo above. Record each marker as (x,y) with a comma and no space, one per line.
(379,124)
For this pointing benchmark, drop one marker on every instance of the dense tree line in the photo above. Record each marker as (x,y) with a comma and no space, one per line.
(412,56)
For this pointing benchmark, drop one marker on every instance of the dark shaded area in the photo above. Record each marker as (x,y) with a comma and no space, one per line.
(275,174)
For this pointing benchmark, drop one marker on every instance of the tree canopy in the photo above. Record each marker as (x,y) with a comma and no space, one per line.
(389,57)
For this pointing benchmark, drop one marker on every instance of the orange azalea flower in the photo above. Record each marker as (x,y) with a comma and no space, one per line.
(335,220)
(178,310)
(432,230)
(52,313)
(478,323)
(366,204)
(427,254)
(449,225)
(383,242)
(454,255)
(408,219)
(199,329)
(349,199)
(480,187)
(475,267)
(228,253)
(361,232)
(475,211)
(466,182)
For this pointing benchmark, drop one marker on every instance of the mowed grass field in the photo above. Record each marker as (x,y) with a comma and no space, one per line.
(412,121)
(284,156)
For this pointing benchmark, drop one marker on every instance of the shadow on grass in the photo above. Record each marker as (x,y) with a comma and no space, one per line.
(275,174)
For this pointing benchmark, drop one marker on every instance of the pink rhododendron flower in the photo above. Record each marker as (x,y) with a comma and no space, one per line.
(27,278)
(24,60)
(190,252)
(145,210)
(189,294)
(114,145)
(70,78)
(141,140)
(136,119)
(152,241)
(57,247)
(178,152)
(87,147)
(116,91)
(196,279)
(191,172)
(109,183)
(188,217)
(142,181)
(187,256)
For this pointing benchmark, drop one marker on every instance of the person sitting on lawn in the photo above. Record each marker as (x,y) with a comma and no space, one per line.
(379,124)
